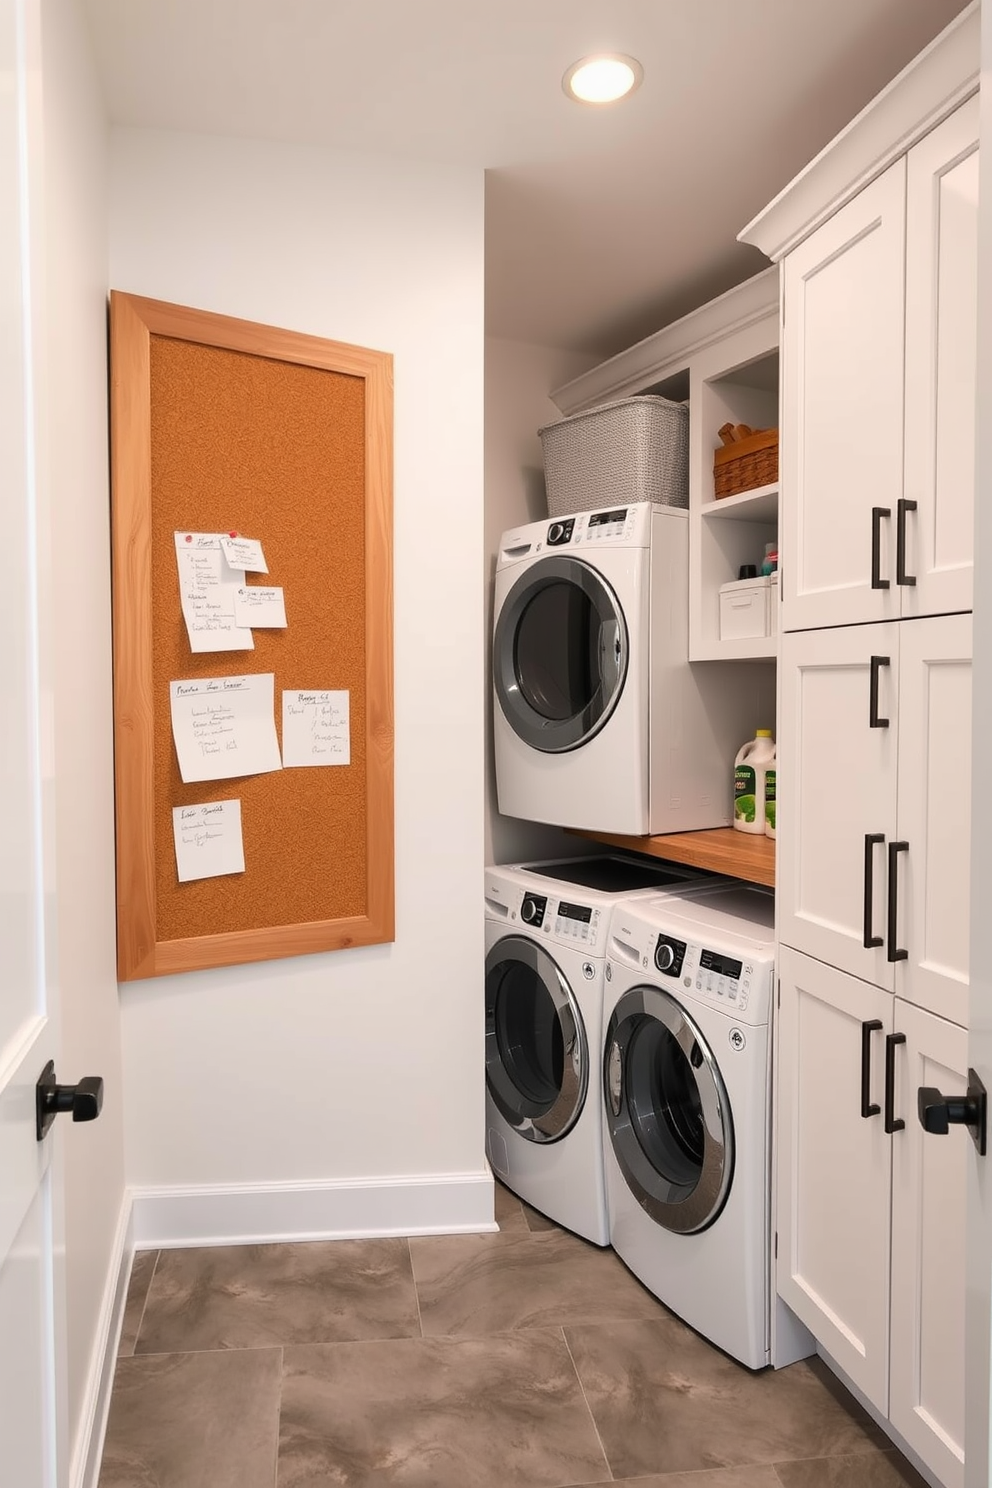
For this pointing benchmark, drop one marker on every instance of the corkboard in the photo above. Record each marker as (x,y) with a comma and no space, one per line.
(221,425)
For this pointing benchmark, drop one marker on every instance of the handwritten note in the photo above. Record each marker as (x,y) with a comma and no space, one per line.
(207,592)
(316,728)
(224,726)
(243,553)
(261,607)
(208,840)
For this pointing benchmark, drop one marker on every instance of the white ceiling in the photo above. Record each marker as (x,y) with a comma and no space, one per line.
(601,224)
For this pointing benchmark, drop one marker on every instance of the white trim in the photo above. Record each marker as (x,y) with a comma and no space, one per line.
(87,1450)
(881,1421)
(943,75)
(670,350)
(427,1204)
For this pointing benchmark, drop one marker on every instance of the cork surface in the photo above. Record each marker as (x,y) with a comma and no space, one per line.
(276,451)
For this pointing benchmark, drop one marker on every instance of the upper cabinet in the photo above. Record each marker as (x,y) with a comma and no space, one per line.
(723,358)
(878,413)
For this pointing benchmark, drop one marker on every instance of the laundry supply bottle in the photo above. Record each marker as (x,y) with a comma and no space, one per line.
(771,779)
(749,782)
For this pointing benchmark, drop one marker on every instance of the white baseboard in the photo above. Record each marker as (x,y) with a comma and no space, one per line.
(428,1204)
(87,1449)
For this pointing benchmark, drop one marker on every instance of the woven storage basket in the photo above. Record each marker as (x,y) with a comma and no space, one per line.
(636,449)
(748,459)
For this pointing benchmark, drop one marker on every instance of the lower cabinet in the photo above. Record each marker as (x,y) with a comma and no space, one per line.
(870,1237)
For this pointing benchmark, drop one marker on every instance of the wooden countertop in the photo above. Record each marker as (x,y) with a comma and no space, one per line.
(724,850)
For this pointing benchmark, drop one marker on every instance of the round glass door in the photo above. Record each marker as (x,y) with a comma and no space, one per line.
(667,1111)
(537,1066)
(559,654)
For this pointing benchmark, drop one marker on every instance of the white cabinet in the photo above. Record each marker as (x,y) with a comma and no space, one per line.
(870,1238)
(878,409)
(874,746)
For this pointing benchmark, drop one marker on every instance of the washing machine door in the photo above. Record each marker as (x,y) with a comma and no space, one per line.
(560,651)
(667,1111)
(537,1057)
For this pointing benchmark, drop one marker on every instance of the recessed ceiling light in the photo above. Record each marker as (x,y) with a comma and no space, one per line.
(602,79)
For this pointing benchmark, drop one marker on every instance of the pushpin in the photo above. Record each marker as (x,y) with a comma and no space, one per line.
(232,534)
(189,537)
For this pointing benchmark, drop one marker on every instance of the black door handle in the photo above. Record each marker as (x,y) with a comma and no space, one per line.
(902,577)
(868,1106)
(891,1123)
(937,1112)
(877,513)
(873,719)
(871,838)
(84,1100)
(895,952)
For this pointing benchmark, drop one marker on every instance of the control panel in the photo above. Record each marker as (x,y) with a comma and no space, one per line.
(576,922)
(604,524)
(705,971)
(560,533)
(532,910)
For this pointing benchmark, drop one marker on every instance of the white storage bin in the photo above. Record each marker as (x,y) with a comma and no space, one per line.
(744,609)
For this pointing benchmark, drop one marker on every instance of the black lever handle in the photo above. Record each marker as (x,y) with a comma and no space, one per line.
(877,513)
(85,1100)
(938,1112)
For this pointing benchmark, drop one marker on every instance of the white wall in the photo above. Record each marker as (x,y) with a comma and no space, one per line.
(76,288)
(364,1064)
(518,379)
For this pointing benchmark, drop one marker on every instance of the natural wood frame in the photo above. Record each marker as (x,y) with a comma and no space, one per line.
(133,321)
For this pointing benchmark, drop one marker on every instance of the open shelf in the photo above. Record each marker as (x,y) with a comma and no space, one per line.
(754,648)
(759,505)
(722,849)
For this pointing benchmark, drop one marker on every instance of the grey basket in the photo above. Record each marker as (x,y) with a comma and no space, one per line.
(636,449)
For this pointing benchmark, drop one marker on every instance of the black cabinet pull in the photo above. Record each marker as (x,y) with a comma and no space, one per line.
(902,577)
(877,662)
(895,952)
(84,1101)
(871,839)
(892,1124)
(877,513)
(868,1106)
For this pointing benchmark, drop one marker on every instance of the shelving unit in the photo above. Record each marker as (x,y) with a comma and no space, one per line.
(759,505)
(737,854)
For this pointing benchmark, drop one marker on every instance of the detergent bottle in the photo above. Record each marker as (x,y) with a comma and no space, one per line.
(771,782)
(749,782)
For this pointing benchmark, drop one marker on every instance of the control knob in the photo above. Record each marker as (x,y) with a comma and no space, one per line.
(664,956)
(556,532)
(530,911)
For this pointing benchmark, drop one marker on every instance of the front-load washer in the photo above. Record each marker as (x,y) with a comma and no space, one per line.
(546,929)
(599,721)
(686,1111)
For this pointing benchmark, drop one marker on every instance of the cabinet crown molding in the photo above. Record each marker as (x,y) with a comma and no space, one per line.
(943,75)
(671,349)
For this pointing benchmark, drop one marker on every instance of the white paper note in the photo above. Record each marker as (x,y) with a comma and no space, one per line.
(208,840)
(207,591)
(316,728)
(243,553)
(260,607)
(224,726)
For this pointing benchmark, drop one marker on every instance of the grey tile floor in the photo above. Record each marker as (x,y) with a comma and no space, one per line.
(527,1359)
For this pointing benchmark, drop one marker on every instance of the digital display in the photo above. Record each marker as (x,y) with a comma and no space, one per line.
(722,965)
(601,519)
(575,912)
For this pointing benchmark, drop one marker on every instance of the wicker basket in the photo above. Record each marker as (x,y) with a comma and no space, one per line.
(636,449)
(748,459)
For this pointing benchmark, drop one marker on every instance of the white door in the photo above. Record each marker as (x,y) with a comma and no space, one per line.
(934,814)
(929,1182)
(837,728)
(842,411)
(29,1435)
(941,347)
(833,1165)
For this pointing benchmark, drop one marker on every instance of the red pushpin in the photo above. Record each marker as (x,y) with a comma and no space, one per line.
(232,534)
(189,537)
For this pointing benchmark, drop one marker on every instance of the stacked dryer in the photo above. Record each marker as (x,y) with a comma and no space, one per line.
(547,926)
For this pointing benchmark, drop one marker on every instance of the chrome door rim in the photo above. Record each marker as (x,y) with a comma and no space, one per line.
(684,1211)
(557,736)
(558,1120)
